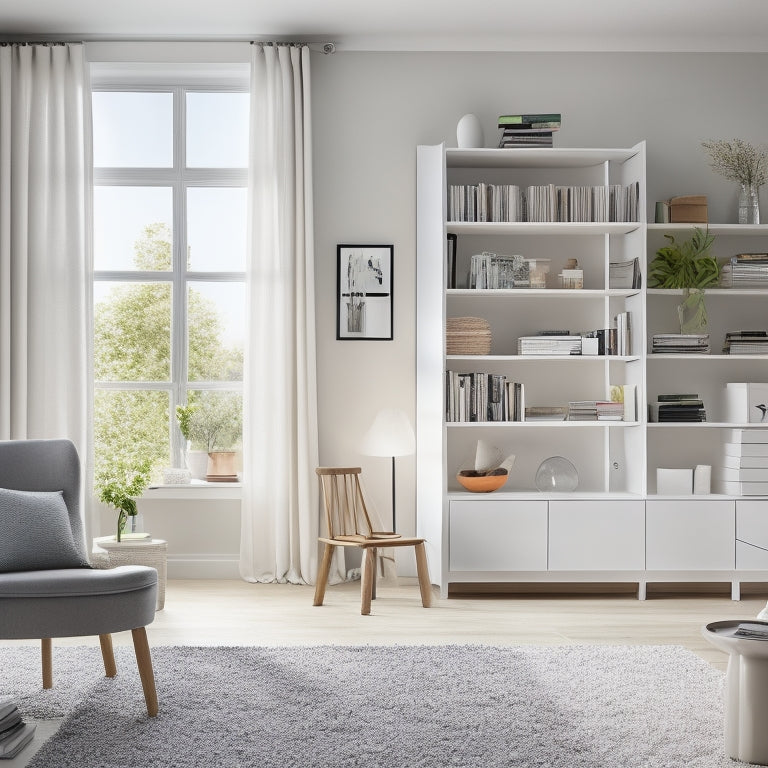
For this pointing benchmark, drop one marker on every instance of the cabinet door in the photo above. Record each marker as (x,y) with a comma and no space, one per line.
(498,535)
(605,535)
(690,535)
(752,534)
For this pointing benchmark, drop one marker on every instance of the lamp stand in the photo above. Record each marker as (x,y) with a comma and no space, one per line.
(394,526)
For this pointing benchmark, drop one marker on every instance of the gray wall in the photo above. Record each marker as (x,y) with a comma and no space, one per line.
(371,110)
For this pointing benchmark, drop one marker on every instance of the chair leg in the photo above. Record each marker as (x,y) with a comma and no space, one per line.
(423,572)
(110,668)
(322,574)
(146,673)
(368,575)
(374,553)
(46,653)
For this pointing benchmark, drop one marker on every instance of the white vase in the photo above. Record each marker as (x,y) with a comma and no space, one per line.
(469,133)
(197,462)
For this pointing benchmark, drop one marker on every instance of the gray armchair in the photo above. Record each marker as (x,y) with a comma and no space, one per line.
(47,587)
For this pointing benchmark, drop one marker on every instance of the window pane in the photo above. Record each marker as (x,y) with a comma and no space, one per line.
(217,130)
(132,228)
(217,420)
(132,130)
(216,331)
(132,423)
(216,229)
(132,331)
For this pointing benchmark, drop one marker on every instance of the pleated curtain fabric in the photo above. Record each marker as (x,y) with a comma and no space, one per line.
(45,191)
(280,509)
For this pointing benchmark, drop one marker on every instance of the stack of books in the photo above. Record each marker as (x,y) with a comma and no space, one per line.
(595,410)
(680,343)
(533,130)
(549,344)
(467,336)
(480,397)
(746,343)
(15,734)
(745,463)
(491,270)
(745,270)
(677,407)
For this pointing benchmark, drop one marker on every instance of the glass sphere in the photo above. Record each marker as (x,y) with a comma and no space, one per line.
(556,475)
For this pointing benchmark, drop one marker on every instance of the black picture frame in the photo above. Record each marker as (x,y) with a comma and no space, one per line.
(364,282)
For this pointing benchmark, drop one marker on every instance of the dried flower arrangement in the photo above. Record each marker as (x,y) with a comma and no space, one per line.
(738,160)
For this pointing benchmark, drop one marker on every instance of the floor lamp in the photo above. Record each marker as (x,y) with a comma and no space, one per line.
(391,434)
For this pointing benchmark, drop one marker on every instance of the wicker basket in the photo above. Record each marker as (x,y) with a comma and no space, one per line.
(107,553)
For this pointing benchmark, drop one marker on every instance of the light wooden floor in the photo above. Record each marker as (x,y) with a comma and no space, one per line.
(238,613)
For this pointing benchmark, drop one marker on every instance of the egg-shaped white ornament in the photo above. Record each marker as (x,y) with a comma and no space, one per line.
(469,133)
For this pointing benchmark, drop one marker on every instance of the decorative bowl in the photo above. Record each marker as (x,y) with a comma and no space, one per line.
(482,483)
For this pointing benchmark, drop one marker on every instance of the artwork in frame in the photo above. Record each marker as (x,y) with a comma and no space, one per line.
(364,292)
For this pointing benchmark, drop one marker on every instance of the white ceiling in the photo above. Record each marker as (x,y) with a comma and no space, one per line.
(525,25)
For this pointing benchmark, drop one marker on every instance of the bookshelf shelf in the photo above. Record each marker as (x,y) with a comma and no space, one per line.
(615,523)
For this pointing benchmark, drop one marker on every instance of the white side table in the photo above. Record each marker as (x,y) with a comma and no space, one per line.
(746,705)
(108,553)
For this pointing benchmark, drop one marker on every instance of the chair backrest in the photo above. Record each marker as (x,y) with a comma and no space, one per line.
(346,513)
(45,465)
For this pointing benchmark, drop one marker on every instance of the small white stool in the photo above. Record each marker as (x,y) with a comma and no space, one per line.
(108,553)
(746,705)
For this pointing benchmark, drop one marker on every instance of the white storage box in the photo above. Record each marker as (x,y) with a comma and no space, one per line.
(746,402)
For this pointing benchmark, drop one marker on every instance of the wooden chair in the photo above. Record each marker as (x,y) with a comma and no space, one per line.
(349,525)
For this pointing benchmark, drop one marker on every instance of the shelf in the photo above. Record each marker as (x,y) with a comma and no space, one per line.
(538,293)
(541,424)
(507,228)
(667,357)
(543,358)
(534,494)
(747,230)
(701,425)
(535,157)
(740,292)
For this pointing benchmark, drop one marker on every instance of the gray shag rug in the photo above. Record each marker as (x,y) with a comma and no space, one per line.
(380,707)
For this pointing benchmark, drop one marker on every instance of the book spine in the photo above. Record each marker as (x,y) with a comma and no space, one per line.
(543,117)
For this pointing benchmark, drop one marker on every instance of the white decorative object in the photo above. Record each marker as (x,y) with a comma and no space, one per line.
(176,476)
(702,478)
(469,133)
(674,482)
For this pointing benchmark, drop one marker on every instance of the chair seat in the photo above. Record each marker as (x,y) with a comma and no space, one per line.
(366,543)
(72,582)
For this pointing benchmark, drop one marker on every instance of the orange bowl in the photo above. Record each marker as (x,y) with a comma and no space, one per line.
(482,483)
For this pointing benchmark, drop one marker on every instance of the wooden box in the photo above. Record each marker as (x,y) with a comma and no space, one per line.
(688,209)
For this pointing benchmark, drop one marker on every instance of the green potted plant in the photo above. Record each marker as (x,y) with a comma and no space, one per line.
(687,265)
(212,423)
(119,482)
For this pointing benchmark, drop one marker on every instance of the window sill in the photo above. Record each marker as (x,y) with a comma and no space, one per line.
(197,489)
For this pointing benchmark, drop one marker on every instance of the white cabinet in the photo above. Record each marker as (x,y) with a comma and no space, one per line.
(752,534)
(492,535)
(597,535)
(690,535)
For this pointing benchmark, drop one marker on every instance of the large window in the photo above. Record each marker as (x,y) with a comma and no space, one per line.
(170,175)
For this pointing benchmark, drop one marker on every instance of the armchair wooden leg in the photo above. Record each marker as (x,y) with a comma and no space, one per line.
(110,668)
(423,572)
(146,673)
(46,654)
(322,574)
(368,575)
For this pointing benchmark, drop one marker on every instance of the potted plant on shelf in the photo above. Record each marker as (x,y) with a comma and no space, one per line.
(212,425)
(687,265)
(119,483)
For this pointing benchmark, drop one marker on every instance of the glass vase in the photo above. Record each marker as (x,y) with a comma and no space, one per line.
(749,204)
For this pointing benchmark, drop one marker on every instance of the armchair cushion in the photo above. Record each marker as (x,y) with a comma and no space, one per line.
(35,532)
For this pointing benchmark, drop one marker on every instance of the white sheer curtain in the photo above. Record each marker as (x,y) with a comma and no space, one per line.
(45,189)
(280,453)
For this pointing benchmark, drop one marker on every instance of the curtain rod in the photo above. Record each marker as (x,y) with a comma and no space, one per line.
(327,47)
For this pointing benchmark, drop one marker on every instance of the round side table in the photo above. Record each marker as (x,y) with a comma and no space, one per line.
(108,553)
(746,705)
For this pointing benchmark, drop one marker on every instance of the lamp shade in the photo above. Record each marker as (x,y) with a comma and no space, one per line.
(391,434)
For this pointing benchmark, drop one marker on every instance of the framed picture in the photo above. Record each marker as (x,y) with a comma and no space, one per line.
(364,292)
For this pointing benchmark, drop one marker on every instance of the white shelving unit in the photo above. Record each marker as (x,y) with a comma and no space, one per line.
(614,528)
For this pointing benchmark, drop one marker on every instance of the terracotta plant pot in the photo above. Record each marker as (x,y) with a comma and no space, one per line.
(221,467)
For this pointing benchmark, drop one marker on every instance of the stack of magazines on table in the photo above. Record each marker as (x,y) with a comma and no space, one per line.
(15,734)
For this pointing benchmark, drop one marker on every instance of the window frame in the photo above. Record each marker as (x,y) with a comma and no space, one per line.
(179,178)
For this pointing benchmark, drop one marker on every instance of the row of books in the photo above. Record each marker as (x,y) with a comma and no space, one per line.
(531,130)
(480,396)
(595,410)
(15,734)
(744,470)
(745,270)
(484,202)
(746,343)
(625,274)
(603,341)
(492,270)
(680,343)
(677,407)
